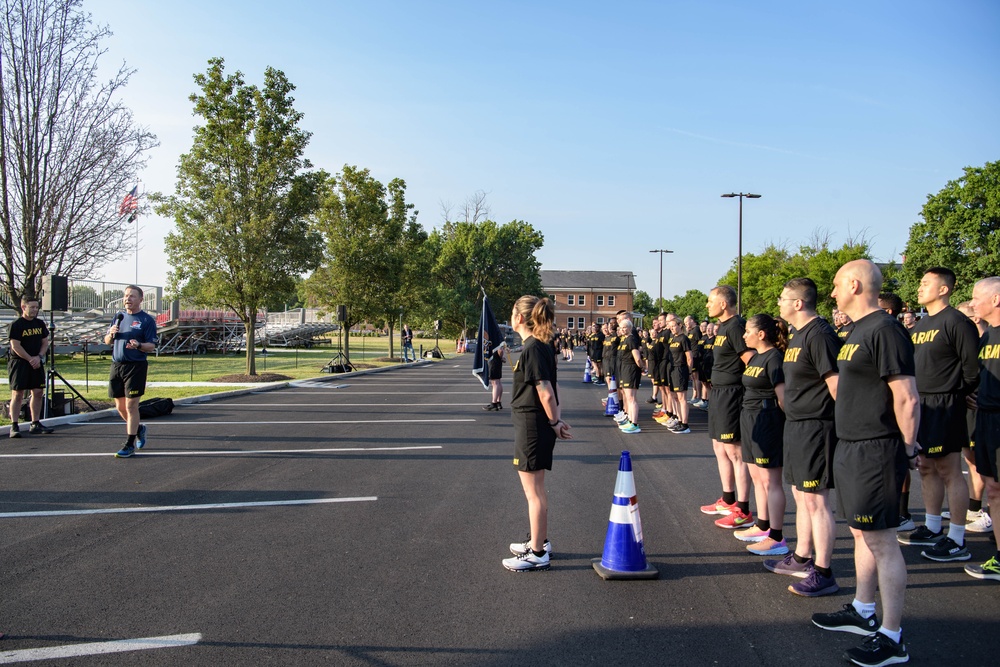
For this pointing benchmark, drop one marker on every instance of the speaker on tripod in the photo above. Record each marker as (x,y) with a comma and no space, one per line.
(55,293)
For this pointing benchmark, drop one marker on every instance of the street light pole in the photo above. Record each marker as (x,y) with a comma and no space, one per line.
(628,287)
(661,273)
(739,260)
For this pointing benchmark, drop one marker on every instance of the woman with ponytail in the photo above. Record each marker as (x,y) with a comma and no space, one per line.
(762,422)
(537,425)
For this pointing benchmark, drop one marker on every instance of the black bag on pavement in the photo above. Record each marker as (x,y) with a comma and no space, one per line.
(156,407)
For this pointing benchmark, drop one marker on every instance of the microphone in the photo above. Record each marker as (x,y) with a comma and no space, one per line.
(118,318)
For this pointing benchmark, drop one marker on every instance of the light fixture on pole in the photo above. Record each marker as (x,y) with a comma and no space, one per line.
(661,272)
(739,260)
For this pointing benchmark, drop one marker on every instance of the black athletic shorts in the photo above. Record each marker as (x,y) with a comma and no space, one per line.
(870,476)
(496,368)
(534,441)
(724,406)
(943,427)
(809,448)
(987,443)
(970,421)
(128,379)
(762,431)
(22,375)
(679,378)
(631,376)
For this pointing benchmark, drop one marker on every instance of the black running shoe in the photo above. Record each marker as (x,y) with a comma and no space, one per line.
(878,650)
(15,431)
(36,427)
(921,537)
(846,620)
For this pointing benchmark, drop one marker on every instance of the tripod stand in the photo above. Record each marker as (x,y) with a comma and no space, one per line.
(50,377)
(340,363)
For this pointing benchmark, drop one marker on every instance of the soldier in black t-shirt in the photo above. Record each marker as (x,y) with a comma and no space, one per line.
(877,414)
(810,369)
(681,361)
(694,337)
(630,374)
(843,323)
(595,348)
(986,305)
(725,401)
(946,344)
(29,340)
(978,516)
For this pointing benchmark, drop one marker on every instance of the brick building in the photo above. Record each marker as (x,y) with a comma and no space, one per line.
(584,297)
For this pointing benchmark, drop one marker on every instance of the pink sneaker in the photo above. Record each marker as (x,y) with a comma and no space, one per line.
(751,534)
(735,519)
(718,507)
(768,547)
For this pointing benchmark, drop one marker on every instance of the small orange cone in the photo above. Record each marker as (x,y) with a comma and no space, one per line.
(624,555)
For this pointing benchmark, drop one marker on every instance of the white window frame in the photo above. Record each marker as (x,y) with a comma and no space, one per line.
(600,300)
(611,301)
(569,300)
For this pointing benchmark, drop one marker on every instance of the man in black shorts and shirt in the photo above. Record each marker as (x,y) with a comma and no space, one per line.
(681,359)
(877,414)
(29,340)
(595,348)
(132,337)
(810,367)
(730,355)
(986,306)
(946,346)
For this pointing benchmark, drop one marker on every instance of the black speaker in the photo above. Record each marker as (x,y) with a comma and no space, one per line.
(55,293)
(437,325)
(341,313)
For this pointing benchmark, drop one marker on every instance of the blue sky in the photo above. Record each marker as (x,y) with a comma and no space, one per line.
(611,127)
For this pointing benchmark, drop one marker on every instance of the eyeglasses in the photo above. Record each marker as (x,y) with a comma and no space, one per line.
(780,299)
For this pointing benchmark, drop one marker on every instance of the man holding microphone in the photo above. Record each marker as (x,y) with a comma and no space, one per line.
(132,336)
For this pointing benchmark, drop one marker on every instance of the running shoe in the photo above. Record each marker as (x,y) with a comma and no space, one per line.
(15,431)
(847,620)
(720,506)
(659,413)
(631,428)
(621,417)
(140,439)
(877,650)
(814,585)
(735,519)
(651,401)
(988,570)
(662,419)
(681,428)
(36,427)
(751,534)
(672,422)
(518,548)
(946,550)
(905,524)
(921,537)
(527,562)
(978,522)
(126,451)
(788,565)
(768,547)
(624,424)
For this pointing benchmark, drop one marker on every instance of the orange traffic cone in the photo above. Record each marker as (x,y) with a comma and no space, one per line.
(624,556)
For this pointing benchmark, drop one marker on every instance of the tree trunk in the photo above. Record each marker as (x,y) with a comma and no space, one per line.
(250,323)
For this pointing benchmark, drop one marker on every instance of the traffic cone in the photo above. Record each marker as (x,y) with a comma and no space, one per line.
(624,556)
(586,373)
(611,408)
(612,383)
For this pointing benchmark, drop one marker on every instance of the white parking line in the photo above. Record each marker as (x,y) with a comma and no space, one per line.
(98,648)
(184,508)
(221,452)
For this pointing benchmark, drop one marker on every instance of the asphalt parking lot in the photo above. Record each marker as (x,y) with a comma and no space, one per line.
(362,520)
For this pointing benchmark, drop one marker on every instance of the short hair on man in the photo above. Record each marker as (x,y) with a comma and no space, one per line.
(805,289)
(134,288)
(891,303)
(946,275)
(726,293)
(28,298)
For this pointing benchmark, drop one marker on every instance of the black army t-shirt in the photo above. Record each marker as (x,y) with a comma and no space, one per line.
(536,363)
(625,346)
(31,333)
(877,349)
(811,354)
(727,367)
(679,344)
(762,374)
(945,346)
(989,375)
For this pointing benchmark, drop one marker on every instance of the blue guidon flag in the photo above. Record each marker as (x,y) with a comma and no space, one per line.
(488,340)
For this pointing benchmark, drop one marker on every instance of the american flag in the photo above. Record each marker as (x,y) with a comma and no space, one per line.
(131,203)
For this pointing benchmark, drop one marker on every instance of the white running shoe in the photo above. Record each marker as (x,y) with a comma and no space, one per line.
(673,422)
(979,522)
(519,548)
(527,562)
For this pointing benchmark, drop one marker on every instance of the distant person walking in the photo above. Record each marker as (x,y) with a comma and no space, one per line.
(408,344)
(537,425)
(29,341)
(132,336)
(495,368)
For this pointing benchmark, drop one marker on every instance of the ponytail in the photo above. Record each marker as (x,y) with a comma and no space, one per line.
(775,329)
(539,316)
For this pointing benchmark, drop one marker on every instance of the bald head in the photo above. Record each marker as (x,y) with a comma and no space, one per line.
(856,288)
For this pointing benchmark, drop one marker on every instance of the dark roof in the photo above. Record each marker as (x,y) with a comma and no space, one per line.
(606,280)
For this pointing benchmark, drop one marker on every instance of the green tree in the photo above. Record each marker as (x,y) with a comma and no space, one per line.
(643,303)
(499,258)
(960,229)
(690,303)
(69,148)
(243,199)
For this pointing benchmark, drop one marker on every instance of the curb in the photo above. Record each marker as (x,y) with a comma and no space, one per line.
(208,398)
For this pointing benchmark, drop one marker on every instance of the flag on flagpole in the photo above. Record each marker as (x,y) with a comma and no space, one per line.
(130,204)
(489,339)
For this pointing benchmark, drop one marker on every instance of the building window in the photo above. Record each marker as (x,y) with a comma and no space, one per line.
(600,300)
(569,324)
(611,300)
(580,324)
(581,300)
(569,299)
(600,321)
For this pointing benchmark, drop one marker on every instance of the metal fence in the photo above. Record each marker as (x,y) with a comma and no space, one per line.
(91,294)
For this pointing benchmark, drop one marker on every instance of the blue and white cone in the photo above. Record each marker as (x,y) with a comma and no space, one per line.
(612,407)
(586,373)
(624,555)
(612,383)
